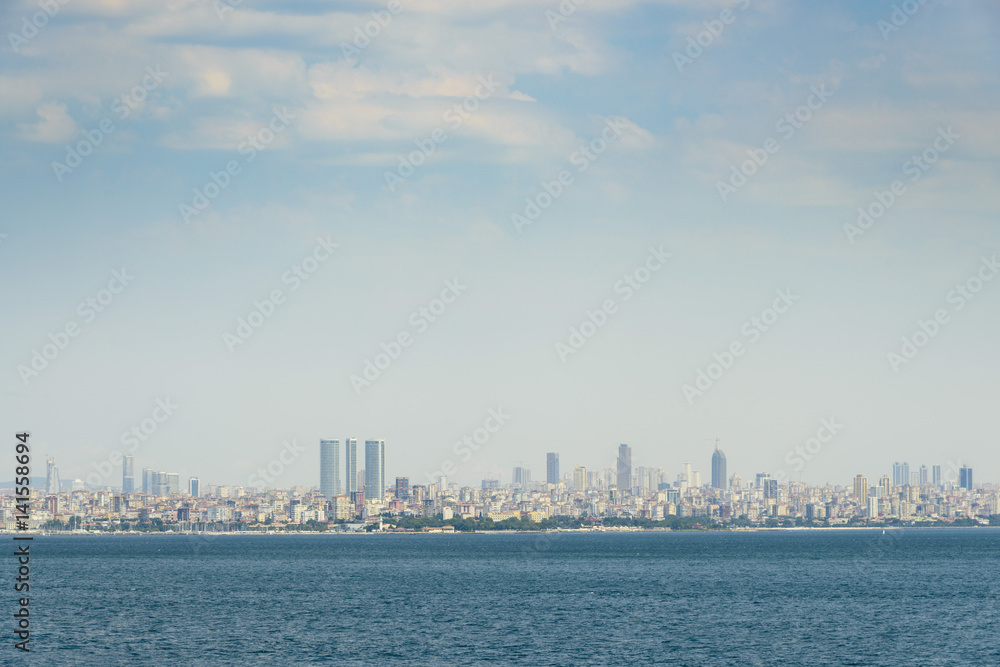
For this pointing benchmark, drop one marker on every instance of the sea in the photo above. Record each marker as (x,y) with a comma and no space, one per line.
(784,597)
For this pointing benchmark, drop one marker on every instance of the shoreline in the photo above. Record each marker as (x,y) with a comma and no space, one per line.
(490,532)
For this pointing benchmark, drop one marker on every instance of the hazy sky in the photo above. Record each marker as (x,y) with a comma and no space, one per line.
(421,151)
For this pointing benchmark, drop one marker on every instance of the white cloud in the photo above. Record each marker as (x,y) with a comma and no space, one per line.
(55,126)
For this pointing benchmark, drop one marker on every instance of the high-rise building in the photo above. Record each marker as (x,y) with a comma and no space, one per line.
(403,488)
(351,461)
(172,483)
(51,478)
(759,479)
(147,480)
(194,487)
(904,474)
(521,477)
(886,485)
(965,478)
(771,488)
(719,477)
(329,468)
(936,475)
(580,479)
(861,489)
(897,474)
(624,480)
(374,468)
(128,474)
(923,476)
(552,468)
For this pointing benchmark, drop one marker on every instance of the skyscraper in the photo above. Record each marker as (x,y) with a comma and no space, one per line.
(147,480)
(886,485)
(403,488)
(374,468)
(172,483)
(770,488)
(936,475)
(552,468)
(923,476)
(719,477)
(351,460)
(861,489)
(624,480)
(51,478)
(128,474)
(965,478)
(580,479)
(897,474)
(521,477)
(329,468)
(194,487)
(904,474)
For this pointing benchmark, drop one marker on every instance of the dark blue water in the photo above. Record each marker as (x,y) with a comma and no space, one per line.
(844,597)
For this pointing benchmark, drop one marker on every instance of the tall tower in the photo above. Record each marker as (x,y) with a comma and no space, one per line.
(580,479)
(886,486)
(351,460)
(965,478)
(51,478)
(374,468)
(329,468)
(552,468)
(147,480)
(624,480)
(719,478)
(904,474)
(861,489)
(194,487)
(936,475)
(128,474)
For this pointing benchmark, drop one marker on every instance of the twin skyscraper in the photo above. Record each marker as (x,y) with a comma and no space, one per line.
(373,482)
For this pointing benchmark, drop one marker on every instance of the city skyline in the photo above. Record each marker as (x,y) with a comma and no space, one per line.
(959,474)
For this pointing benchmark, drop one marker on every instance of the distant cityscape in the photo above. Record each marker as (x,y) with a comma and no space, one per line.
(353,498)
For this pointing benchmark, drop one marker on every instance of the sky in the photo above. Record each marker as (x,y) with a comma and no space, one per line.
(535,226)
